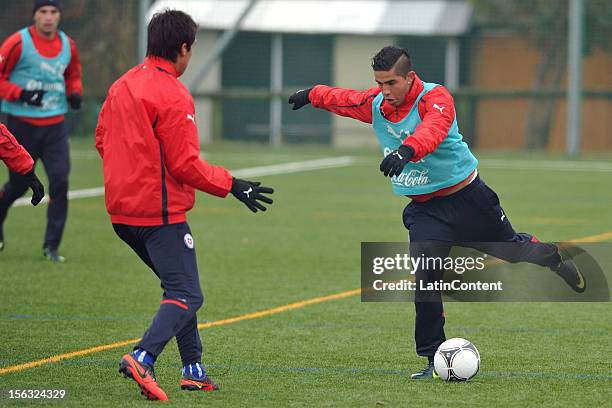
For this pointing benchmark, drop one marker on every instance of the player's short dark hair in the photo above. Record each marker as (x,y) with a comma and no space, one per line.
(168,31)
(390,55)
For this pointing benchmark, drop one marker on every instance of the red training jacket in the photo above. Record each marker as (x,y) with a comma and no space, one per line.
(148,140)
(10,52)
(434,126)
(358,105)
(13,154)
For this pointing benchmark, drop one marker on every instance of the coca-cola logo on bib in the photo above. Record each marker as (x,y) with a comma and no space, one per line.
(412,178)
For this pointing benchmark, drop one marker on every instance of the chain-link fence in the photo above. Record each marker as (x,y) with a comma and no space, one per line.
(509,88)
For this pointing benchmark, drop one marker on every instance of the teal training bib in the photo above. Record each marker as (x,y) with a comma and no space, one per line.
(449,164)
(34,72)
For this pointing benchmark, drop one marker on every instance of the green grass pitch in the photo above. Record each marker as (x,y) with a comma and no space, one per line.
(336,353)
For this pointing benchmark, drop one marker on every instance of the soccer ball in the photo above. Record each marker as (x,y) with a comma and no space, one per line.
(457,360)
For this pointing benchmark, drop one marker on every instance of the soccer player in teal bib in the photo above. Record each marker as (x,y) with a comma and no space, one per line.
(40,77)
(426,159)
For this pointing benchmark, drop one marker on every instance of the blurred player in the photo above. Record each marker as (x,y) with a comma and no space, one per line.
(148,140)
(427,161)
(40,75)
(18,160)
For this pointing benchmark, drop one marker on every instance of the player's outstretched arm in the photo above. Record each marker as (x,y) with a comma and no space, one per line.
(177,133)
(251,193)
(300,98)
(343,102)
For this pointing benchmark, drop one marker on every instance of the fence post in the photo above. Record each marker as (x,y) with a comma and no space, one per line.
(276,87)
(574,94)
(143,8)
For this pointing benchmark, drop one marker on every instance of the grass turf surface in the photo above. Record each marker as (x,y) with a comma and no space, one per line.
(336,353)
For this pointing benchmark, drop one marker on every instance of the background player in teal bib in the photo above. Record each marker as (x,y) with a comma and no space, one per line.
(427,160)
(40,76)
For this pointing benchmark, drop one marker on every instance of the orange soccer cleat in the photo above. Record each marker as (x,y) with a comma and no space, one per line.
(144,376)
(190,383)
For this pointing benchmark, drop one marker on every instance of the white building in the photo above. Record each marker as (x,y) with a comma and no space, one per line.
(283,45)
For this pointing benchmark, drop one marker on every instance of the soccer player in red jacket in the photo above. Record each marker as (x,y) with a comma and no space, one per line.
(428,162)
(148,140)
(40,76)
(18,160)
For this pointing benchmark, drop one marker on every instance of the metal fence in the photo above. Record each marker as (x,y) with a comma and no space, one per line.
(510,92)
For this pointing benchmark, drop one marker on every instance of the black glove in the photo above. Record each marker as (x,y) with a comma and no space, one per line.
(300,98)
(75,101)
(38,189)
(33,98)
(394,163)
(249,192)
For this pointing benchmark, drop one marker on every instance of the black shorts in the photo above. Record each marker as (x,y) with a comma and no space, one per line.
(472,214)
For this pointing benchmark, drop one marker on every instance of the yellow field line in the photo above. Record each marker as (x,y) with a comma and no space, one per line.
(248,316)
(279,309)
(594,238)
(54,359)
(231,320)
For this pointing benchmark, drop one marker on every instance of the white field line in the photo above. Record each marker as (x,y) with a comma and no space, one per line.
(274,169)
(343,161)
(510,164)
(597,166)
